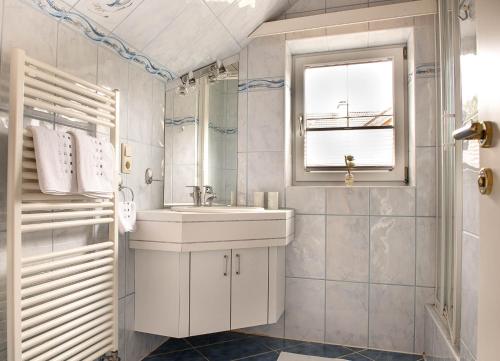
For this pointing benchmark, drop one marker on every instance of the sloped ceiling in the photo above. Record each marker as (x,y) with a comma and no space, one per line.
(179,35)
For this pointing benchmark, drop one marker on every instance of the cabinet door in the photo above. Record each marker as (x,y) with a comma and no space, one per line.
(249,291)
(210,292)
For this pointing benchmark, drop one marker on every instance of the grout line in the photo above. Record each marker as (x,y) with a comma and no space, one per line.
(369,264)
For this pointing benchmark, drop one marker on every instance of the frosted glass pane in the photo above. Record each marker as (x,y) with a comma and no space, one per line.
(370,91)
(370,147)
(325,90)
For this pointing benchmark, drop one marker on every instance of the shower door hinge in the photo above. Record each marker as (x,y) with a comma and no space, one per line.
(405,53)
(111,356)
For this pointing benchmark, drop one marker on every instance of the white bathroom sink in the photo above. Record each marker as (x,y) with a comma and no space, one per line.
(216,209)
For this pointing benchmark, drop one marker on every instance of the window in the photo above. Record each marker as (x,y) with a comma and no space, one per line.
(350,103)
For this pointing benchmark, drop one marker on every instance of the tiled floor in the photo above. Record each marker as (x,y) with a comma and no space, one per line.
(226,346)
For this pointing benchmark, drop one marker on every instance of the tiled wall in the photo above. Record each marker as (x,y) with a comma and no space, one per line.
(362,265)
(437,340)
(141,118)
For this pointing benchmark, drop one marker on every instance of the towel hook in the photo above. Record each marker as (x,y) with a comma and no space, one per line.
(121,188)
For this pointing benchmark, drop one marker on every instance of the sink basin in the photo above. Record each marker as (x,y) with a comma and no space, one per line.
(216,209)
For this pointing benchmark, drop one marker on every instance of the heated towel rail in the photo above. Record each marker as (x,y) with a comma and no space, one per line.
(61,305)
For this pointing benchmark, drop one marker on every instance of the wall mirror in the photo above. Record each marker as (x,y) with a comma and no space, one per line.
(201,135)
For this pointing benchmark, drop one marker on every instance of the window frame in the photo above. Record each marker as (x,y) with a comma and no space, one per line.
(336,174)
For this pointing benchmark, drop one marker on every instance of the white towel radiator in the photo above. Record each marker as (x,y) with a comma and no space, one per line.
(61,305)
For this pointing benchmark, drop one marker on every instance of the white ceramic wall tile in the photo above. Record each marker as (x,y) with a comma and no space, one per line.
(79,59)
(158,110)
(242,179)
(26,28)
(266,120)
(122,265)
(243,64)
(397,201)
(67,238)
(347,248)
(425,111)
(266,173)
(141,160)
(470,288)
(242,121)
(347,200)
(392,317)
(306,200)
(392,250)
(425,39)
(35,243)
(305,309)
(426,251)
(423,296)
(347,313)
(121,328)
(266,57)
(140,105)
(112,73)
(426,181)
(305,256)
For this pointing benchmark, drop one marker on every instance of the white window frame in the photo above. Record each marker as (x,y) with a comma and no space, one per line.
(400,171)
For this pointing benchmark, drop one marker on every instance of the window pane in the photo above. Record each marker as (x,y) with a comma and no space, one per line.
(370,90)
(370,147)
(325,91)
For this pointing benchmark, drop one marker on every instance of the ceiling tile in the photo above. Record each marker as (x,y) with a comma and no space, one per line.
(243,17)
(148,20)
(218,6)
(107,13)
(194,38)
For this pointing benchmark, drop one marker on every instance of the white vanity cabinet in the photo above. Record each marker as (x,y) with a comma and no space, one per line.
(192,288)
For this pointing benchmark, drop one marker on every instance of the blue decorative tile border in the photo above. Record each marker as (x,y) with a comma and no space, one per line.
(192,120)
(250,84)
(90,30)
(426,71)
(222,129)
(181,121)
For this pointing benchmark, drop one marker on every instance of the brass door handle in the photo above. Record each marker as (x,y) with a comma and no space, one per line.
(482,131)
(485,181)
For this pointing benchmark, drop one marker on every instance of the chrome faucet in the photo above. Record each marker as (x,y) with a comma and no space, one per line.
(196,195)
(208,196)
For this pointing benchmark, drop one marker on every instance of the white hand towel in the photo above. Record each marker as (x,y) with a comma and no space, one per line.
(95,159)
(126,217)
(55,161)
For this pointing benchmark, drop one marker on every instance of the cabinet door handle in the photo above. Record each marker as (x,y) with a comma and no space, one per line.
(238,264)
(226,264)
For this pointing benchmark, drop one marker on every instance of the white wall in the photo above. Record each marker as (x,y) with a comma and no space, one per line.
(141,117)
(362,265)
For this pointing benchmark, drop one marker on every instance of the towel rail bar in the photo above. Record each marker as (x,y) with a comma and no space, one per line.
(98,104)
(57,274)
(105,288)
(33,93)
(26,207)
(64,224)
(63,291)
(67,252)
(57,72)
(87,350)
(65,111)
(64,215)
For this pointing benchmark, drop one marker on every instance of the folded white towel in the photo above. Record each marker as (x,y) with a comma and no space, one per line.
(95,159)
(55,161)
(126,217)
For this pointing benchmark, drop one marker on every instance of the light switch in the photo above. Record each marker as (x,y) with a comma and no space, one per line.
(126,158)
